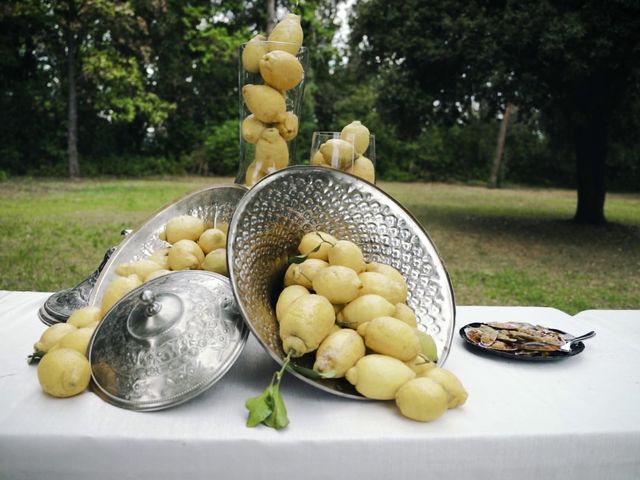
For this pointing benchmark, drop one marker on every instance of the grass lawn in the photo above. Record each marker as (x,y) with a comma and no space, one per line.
(501,247)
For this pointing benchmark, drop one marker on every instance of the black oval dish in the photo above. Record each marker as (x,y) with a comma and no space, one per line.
(529,355)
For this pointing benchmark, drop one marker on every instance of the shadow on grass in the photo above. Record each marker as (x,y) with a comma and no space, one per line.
(531,228)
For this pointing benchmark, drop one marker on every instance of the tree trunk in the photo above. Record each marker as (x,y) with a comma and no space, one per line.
(591,142)
(495,170)
(72,118)
(271,15)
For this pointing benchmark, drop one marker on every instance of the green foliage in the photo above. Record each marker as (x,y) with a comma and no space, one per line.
(122,96)
(572,65)
(157,84)
(222,148)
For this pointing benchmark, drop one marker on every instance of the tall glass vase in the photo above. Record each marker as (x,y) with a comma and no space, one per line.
(270,105)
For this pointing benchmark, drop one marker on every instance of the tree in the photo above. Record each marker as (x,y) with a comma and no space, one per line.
(574,62)
(94,52)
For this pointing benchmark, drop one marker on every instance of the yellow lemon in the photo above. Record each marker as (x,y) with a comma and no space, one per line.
(403,312)
(338,353)
(390,336)
(52,335)
(84,316)
(347,254)
(183,227)
(216,261)
(64,372)
(337,283)
(379,376)
(77,340)
(456,392)
(212,239)
(287,297)
(422,399)
(363,309)
(185,255)
(306,323)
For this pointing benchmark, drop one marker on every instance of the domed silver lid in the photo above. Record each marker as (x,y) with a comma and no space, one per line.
(167,341)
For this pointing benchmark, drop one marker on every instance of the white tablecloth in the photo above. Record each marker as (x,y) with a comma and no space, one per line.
(575,418)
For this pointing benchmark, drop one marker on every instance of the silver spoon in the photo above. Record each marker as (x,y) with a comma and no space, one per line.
(567,347)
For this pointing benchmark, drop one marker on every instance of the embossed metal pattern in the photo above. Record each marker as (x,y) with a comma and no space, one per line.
(59,306)
(142,364)
(213,204)
(273,216)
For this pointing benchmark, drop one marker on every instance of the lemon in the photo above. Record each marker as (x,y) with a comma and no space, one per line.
(347,254)
(383,285)
(321,241)
(289,32)
(337,153)
(287,297)
(390,336)
(253,51)
(183,227)
(77,340)
(358,135)
(216,261)
(212,239)
(64,372)
(420,366)
(161,257)
(141,268)
(456,392)
(363,309)
(281,70)
(337,283)
(403,312)
(52,335)
(422,399)
(306,323)
(338,353)
(185,254)
(84,316)
(117,289)
(379,376)
(363,168)
(308,270)
(387,270)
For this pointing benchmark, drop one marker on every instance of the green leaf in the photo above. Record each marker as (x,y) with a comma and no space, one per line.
(302,258)
(260,407)
(268,408)
(279,414)
(307,372)
(35,357)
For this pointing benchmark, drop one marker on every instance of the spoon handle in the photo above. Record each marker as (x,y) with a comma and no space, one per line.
(583,337)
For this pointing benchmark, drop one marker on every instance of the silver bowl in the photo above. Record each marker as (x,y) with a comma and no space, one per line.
(213,204)
(273,216)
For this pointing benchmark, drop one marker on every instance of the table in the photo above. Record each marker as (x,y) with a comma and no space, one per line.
(575,418)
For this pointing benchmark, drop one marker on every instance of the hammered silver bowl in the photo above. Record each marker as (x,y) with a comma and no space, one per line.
(214,204)
(273,216)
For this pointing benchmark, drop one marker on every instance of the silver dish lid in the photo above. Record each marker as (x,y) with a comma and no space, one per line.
(167,341)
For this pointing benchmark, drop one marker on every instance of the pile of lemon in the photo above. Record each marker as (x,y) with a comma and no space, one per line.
(347,153)
(270,126)
(354,316)
(63,368)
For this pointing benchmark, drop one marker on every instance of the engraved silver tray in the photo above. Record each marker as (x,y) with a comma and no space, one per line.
(273,216)
(214,204)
